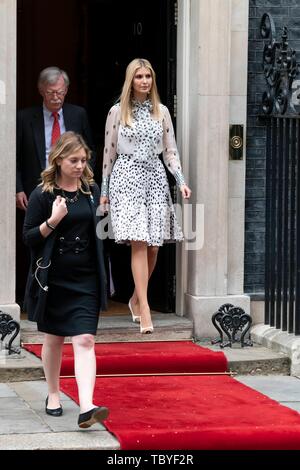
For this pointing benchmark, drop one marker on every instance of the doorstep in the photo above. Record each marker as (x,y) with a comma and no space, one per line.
(256,360)
(120,328)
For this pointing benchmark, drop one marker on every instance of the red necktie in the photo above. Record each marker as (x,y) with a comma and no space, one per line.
(55,129)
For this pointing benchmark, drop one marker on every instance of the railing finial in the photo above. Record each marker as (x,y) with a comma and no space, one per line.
(280,69)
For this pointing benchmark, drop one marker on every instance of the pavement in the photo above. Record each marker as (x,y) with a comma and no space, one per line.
(24,424)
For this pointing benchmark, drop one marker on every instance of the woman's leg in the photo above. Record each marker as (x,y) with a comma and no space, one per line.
(152,252)
(51,357)
(152,258)
(140,272)
(85,369)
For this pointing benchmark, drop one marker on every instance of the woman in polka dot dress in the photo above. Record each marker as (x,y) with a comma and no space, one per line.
(134,181)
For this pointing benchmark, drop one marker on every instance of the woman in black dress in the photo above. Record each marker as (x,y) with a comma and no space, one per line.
(66,283)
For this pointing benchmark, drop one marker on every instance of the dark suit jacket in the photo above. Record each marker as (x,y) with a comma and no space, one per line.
(39,209)
(31,142)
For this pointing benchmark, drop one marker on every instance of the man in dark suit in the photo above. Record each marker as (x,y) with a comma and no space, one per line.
(37,129)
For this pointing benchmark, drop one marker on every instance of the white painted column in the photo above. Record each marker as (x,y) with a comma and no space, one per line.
(183,91)
(8,157)
(237,169)
(210,84)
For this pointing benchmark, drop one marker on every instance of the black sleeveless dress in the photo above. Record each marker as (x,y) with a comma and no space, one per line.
(73,300)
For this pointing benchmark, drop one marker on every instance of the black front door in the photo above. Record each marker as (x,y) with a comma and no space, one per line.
(93,41)
(118,32)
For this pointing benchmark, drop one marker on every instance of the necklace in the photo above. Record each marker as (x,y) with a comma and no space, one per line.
(70,200)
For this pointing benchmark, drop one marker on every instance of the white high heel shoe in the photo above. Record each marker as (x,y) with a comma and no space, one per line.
(135,318)
(146,329)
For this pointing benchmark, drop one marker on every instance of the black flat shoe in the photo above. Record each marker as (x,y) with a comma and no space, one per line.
(53,412)
(95,415)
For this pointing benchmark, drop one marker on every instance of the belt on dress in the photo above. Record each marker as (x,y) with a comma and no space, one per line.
(136,156)
(77,245)
(146,162)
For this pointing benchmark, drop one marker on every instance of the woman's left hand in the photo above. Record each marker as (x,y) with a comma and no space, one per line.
(185,191)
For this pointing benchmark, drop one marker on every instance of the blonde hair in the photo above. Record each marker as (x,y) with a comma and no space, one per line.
(67,144)
(126,95)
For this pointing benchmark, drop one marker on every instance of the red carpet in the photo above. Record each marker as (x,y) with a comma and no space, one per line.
(182,412)
(143,358)
(192,412)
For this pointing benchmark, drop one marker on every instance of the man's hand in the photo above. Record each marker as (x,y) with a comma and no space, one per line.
(21,201)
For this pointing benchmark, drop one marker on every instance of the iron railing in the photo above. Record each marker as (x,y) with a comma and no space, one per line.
(282,241)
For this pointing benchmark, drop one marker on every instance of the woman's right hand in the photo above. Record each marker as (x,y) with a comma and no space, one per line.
(59,210)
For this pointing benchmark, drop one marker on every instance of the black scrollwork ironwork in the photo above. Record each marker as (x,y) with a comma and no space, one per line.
(280,69)
(9,326)
(216,318)
(232,321)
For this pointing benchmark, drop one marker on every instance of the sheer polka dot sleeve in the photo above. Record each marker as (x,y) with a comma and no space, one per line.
(170,151)
(110,147)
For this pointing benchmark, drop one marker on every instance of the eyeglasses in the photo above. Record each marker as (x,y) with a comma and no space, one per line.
(58,93)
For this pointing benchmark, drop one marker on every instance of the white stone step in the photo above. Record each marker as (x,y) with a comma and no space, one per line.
(119,328)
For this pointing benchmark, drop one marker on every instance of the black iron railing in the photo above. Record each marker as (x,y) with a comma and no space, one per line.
(11,328)
(280,106)
(235,323)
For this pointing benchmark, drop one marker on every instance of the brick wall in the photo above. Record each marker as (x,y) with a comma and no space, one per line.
(285,13)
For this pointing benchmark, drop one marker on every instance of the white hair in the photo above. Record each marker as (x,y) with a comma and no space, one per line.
(50,75)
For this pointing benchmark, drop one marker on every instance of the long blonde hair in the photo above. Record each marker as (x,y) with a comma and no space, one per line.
(126,95)
(67,144)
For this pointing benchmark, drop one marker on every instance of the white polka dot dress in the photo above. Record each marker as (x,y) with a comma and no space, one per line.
(134,177)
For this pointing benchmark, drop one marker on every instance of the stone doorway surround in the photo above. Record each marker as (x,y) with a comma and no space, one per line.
(212,93)
(8,157)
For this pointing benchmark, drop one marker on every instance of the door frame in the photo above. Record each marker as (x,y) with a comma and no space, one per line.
(183,80)
(182,125)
